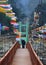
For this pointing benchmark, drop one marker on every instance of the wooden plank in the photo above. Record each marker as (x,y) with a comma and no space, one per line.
(22,57)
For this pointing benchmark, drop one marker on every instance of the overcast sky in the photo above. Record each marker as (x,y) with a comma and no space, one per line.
(27,6)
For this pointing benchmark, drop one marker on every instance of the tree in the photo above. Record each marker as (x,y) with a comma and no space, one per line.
(5,21)
(42,17)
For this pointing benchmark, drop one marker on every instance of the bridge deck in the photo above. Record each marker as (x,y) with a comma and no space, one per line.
(22,57)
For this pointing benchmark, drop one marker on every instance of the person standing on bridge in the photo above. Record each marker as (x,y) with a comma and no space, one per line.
(23,43)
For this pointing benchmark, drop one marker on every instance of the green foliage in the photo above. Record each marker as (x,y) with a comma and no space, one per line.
(3,2)
(42,17)
(5,21)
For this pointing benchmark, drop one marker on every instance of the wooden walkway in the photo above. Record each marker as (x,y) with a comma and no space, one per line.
(22,57)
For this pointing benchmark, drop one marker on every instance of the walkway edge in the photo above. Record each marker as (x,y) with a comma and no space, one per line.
(7,58)
(35,59)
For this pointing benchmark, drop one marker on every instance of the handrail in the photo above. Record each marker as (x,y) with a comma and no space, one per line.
(35,59)
(7,58)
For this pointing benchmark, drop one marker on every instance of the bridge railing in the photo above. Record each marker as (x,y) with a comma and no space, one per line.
(35,59)
(7,58)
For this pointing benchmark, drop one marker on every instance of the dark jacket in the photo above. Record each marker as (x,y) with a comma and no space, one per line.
(23,42)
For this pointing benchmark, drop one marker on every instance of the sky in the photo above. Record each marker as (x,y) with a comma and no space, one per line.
(27,6)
